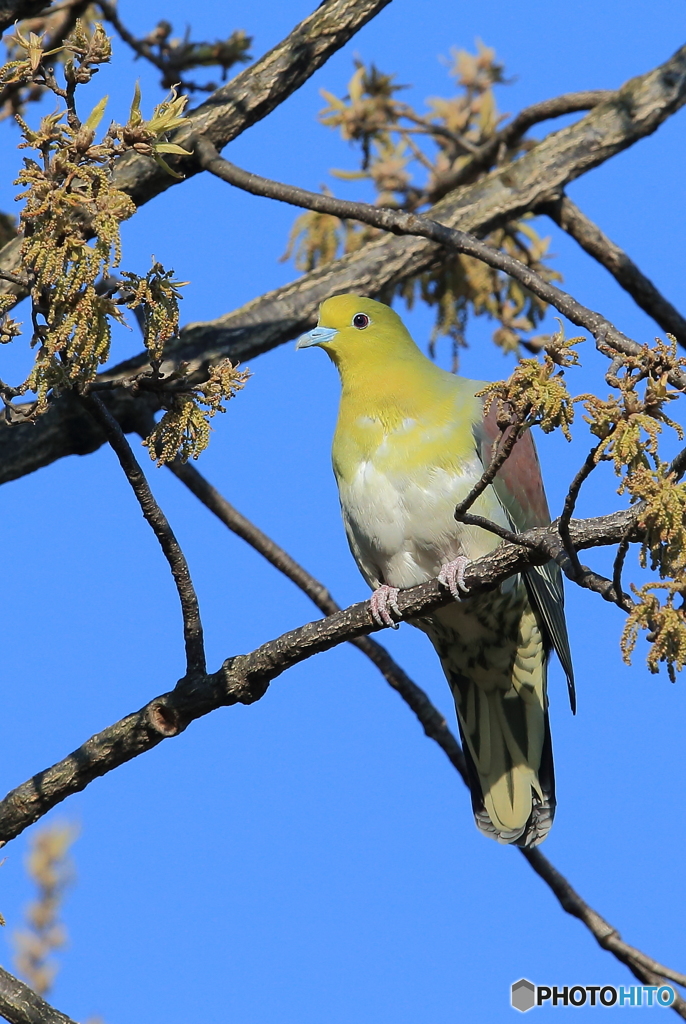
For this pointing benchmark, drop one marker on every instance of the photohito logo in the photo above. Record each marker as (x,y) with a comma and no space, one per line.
(525,995)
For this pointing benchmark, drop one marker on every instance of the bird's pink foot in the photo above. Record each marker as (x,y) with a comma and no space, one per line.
(452,576)
(383,598)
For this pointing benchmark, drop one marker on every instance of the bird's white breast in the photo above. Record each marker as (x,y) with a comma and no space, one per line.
(400,521)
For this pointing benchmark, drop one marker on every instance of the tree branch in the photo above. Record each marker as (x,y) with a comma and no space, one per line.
(246,99)
(192,626)
(19,1004)
(643,967)
(633,112)
(510,135)
(253,93)
(18,10)
(592,240)
(399,222)
(505,442)
(245,678)
(435,727)
(590,463)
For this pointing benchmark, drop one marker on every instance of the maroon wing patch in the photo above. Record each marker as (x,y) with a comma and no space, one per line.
(519,482)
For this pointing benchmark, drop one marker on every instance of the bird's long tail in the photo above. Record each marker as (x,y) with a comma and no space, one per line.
(495,662)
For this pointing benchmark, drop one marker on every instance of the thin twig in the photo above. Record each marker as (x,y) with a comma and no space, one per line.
(192,626)
(589,465)
(505,444)
(571,219)
(499,531)
(581,574)
(618,566)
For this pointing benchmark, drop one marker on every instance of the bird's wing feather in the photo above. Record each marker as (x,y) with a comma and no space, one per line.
(519,487)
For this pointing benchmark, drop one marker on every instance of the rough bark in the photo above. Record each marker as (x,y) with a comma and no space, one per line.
(17,10)
(19,1004)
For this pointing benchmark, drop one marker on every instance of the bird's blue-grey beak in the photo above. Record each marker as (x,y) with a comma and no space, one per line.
(317,336)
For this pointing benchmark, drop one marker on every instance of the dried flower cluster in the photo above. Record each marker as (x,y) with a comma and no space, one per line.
(172,56)
(536,392)
(50,869)
(628,426)
(71,247)
(396,143)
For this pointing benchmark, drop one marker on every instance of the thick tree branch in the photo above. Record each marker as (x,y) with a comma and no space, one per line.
(571,219)
(19,1004)
(245,678)
(255,92)
(192,626)
(17,10)
(633,112)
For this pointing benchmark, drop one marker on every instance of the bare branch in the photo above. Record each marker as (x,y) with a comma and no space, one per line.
(571,219)
(617,568)
(499,531)
(192,626)
(589,465)
(19,1004)
(505,443)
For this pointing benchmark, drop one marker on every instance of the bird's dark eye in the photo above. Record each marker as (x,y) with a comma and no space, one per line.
(360,320)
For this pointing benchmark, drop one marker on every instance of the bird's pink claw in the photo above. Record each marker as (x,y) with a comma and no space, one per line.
(452,576)
(383,598)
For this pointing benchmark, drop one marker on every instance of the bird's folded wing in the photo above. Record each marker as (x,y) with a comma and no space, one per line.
(519,488)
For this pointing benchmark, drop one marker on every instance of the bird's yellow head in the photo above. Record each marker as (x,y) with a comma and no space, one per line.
(360,334)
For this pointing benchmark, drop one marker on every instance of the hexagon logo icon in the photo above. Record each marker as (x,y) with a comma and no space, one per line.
(523,995)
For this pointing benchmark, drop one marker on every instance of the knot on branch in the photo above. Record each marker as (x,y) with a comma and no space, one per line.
(164,719)
(237,685)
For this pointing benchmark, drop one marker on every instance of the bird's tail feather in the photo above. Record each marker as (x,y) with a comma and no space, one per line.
(498,680)
(513,795)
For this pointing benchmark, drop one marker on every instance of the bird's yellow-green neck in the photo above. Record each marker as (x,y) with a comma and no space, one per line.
(392,389)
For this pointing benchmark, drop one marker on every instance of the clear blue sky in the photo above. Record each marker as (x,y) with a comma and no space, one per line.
(312,857)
